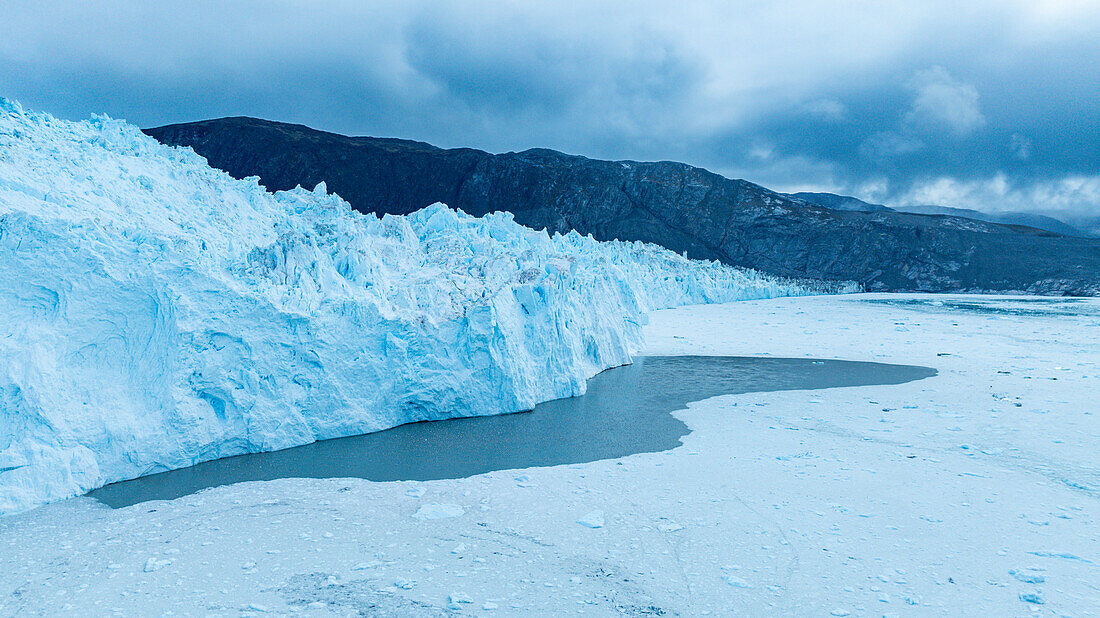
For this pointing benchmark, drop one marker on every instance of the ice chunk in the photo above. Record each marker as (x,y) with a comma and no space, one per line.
(455,598)
(1028,576)
(736,581)
(592,520)
(153,564)
(1035,598)
(438,511)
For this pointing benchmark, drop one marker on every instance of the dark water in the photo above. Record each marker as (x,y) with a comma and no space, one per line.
(626,410)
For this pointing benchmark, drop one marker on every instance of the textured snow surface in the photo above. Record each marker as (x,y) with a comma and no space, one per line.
(971,493)
(158,313)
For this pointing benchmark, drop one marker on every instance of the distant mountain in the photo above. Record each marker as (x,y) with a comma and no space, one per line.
(1041,222)
(1089,224)
(838,202)
(684,208)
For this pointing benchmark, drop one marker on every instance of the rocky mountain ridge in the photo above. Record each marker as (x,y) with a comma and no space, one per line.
(685,208)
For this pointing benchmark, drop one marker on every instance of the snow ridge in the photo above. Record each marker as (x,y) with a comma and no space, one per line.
(159,313)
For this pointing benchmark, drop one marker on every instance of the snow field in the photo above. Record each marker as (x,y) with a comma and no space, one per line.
(940,497)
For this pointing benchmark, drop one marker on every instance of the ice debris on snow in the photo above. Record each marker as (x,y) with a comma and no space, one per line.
(438,511)
(1028,576)
(159,313)
(1035,598)
(592,520)
(1062,555)
(736,581)
(153,564)
(456,598)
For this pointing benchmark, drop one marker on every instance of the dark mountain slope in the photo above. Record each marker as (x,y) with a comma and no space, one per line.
(675,205)
(1041,222)
(838,202)
(1027,219)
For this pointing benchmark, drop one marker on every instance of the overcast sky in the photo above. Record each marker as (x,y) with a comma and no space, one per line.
(989,104)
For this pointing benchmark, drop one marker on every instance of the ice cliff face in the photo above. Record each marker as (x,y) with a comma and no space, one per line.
(155,312)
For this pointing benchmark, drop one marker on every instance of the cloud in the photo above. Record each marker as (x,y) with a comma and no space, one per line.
(1075,199)
(845,96)
(890,144)
(507,64)
(1020,146)
(828,109)
(943,109)
(944,103)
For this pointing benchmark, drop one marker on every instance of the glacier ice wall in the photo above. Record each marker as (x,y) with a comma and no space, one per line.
(155,312)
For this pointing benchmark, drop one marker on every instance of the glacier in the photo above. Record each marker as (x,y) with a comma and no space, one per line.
(156,313)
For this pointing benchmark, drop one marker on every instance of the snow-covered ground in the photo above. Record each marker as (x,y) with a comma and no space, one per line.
(970,493)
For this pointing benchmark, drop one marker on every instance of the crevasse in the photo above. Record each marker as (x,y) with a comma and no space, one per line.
(155,312)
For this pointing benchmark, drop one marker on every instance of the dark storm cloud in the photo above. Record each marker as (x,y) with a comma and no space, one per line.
(939,124)
(984,104)
(518,68)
